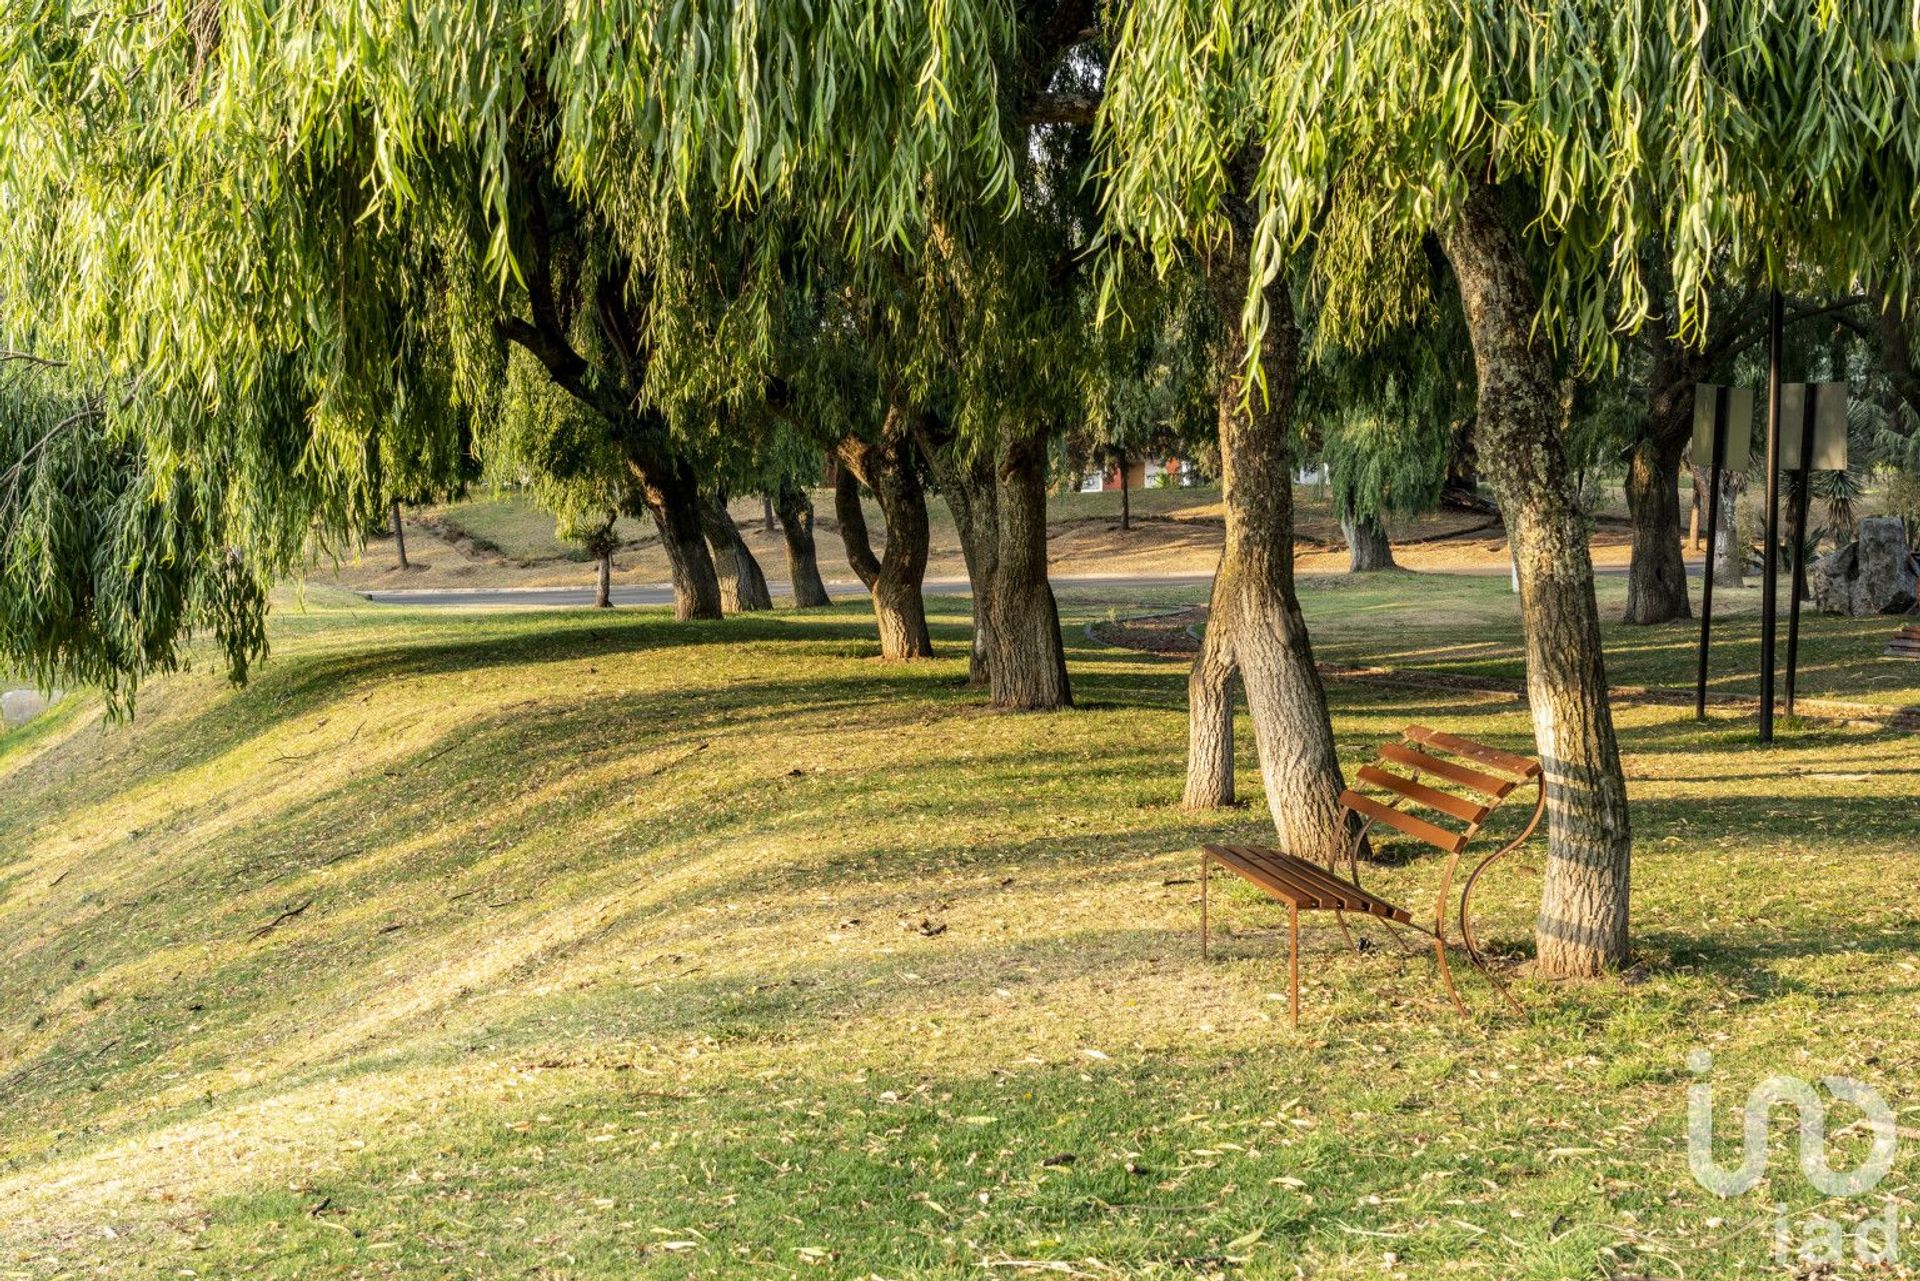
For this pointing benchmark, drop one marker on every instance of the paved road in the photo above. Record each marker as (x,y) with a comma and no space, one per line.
(662,593)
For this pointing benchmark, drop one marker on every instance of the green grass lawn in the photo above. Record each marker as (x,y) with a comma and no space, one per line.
(570,945)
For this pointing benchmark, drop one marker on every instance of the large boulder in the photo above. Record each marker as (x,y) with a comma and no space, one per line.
(18,706)
(1873,575)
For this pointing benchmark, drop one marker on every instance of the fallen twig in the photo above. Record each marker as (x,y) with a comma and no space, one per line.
(280,920)
(432,756)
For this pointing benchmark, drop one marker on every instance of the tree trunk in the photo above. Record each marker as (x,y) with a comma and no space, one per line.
(1657,570)
(1367,547)
(851,516)
(1582,926)
(795,511)
(1694,510)
(668,489)
(1729,552)
(1026,659)
(399,536)
(1210,691)
(888,468)
(968,487)
(1255,630)
(767,513)
(743,588)
(1126,499)
(603,593)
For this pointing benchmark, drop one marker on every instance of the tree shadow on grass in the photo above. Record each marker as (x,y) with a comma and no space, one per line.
(1751,965)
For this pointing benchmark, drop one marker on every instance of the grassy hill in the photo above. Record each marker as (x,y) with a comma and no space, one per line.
(580,945)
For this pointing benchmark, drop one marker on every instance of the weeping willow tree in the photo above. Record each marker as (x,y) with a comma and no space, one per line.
(1385,458)
(1540,146)
(112,556)
(213,188)
(1386,418)
(218,200)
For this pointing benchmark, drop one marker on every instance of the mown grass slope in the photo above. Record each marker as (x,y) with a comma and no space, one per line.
(587,945)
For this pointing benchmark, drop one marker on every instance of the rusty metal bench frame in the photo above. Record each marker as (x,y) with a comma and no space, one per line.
(1451,777)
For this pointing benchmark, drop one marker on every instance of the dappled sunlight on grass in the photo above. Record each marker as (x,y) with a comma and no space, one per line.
(595,945)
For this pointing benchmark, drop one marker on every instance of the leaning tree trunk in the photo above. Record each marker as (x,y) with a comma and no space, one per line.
(399,536)
(1729,553)
(851,516)
(672,498)
(1582,926)
(1657,569)
(1255,631)
(743,587)
(893,580)
(1026,658)
(795,511)
(968,487)
(1367,547)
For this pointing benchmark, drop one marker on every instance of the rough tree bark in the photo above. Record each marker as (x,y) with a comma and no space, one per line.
(672,498)
(610,390)
(851,517)
(603,586)
(893,579)
(1026,658)
(1255,633)
(1657,570)
(399,536)
(1582,925)
(1694,511)
(743,588)
(1729,551)
(795,511)
(1367,547)
(966,482)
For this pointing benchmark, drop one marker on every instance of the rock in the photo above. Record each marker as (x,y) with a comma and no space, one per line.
(1873,575)
(18,706)
(1886,580)
(1830,580)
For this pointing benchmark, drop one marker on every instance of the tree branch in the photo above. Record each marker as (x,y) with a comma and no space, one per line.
(27,357)
(1061,109)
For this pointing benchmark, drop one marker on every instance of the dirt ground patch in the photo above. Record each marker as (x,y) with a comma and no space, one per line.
(1173,532)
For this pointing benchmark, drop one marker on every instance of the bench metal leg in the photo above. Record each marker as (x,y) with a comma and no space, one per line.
(1341,918)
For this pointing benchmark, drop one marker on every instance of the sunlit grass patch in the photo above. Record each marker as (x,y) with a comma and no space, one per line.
(578,944)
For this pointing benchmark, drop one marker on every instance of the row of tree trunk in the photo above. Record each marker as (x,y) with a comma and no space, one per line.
(998,497)
(1256,639)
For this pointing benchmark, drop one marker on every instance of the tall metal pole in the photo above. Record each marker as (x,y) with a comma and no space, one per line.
(1802,474)
(1770,557)
(1720,395)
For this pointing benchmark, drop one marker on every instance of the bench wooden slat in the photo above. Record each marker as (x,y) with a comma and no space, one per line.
(1452,771)
(1466,747)
(1297,881)
(1262,876)
(1339,893)
(1306,888)
(1418,828)
(1431,797)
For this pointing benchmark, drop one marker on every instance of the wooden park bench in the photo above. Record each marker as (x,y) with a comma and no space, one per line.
(1457,782)
(1905,643)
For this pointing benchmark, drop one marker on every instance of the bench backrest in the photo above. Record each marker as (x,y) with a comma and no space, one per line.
(1455,781)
